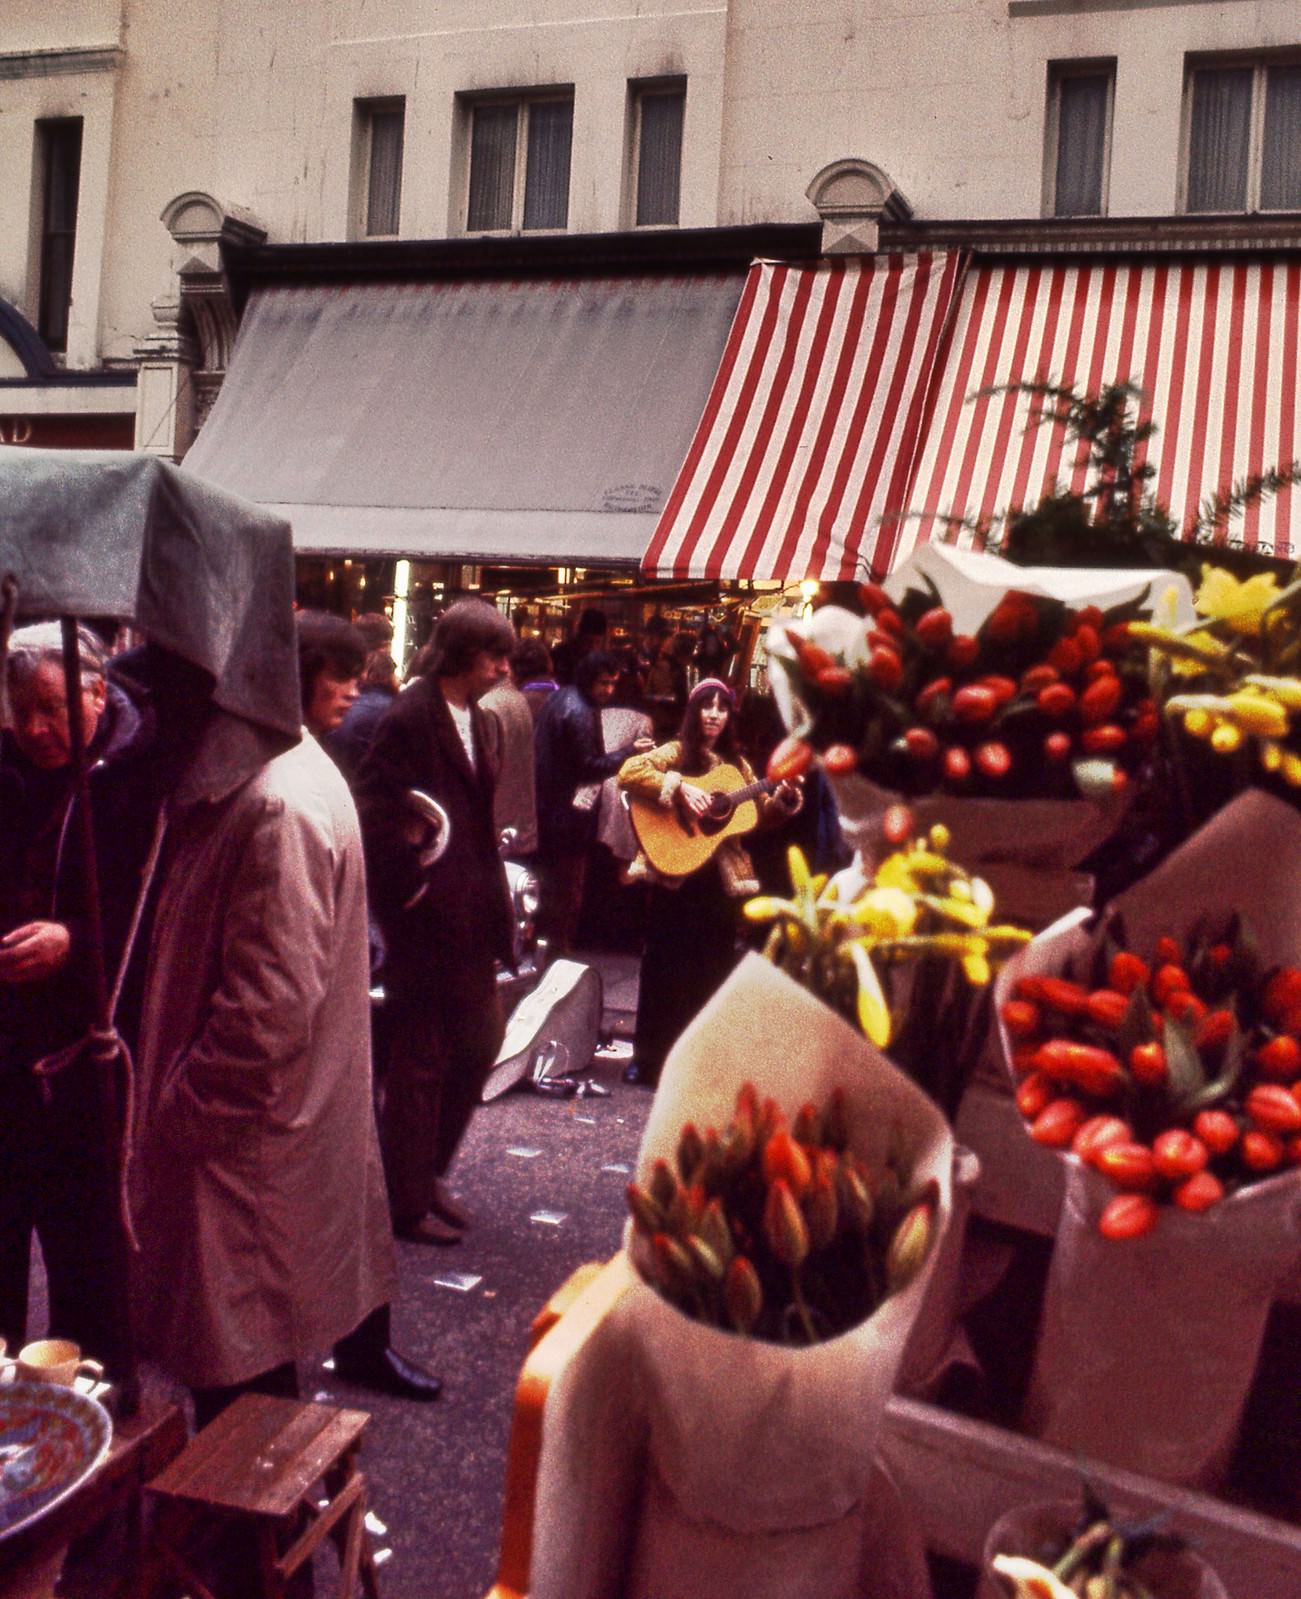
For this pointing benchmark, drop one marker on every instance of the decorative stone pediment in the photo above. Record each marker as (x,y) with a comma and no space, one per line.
(200,225)
(183,361)
(851,196)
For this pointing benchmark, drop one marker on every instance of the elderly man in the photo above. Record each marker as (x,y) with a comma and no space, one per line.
(52,1180)
(445,923)
(260,1198)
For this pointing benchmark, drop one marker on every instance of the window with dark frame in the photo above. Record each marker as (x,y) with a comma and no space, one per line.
(1243,145)
(1079,137)
(660,112)
(382,126)
(59,149)
(520,153)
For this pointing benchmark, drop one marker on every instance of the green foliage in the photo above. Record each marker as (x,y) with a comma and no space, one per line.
(1116,520)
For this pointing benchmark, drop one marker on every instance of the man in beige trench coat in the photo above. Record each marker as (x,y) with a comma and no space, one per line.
(259,1196)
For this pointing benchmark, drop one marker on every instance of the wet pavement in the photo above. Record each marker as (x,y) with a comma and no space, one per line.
(544,1181)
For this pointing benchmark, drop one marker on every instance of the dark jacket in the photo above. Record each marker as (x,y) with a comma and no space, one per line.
(42,873)
(464,914)
(349,741)
(569,752)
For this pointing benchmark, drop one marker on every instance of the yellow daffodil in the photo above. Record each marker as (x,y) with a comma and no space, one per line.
(1246,710)
(1239,604)
(1199,648)
(1286,690)
(873,1012)
(887,911)
(920,905)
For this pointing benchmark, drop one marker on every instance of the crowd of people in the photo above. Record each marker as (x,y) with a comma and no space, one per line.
(283,1130)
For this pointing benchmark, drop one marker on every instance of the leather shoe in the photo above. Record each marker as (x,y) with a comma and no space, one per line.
(640,1076)
(388,1372)
(446,1209)
(426,1230)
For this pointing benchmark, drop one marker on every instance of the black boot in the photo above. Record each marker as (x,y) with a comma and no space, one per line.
(367,1358)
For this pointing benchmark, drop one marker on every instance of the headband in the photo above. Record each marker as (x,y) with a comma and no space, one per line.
(709,686)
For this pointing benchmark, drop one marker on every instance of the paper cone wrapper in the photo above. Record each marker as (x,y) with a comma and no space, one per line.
(1147,1347)
(750,1438)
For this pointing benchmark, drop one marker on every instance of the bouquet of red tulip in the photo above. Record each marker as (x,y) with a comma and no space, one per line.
(1159,1057)
(1175,1072)
(1006,703)
(776,1230)
(817,1232)
(1043,700)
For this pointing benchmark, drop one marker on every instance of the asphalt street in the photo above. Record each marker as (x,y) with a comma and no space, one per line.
(544,1181)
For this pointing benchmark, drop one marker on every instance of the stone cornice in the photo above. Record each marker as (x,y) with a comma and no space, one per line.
(1099,235)
(65,61)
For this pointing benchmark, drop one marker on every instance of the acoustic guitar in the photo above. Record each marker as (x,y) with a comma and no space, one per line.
(676,841)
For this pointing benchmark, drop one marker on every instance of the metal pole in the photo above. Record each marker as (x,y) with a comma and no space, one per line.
(108,1155)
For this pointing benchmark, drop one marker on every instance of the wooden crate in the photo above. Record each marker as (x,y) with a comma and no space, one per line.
(961,1476)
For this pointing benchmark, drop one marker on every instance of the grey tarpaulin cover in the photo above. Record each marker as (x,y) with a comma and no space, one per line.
(205,575)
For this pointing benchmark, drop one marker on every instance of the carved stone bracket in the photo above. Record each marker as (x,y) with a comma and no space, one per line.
(199,226)
(195,325)
(852,197)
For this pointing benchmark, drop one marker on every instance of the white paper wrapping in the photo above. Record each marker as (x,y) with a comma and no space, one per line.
(1147,1347)
(972,583)
(714,1453)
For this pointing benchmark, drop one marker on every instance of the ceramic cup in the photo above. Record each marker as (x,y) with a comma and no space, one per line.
(56,1360)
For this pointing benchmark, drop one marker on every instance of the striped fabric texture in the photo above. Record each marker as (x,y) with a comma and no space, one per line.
(810,432)
(848,402)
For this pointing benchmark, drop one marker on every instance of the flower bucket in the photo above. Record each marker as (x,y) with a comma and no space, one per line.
(1037,1531)
(1148,1346)
(1147,1349)
(761,1457)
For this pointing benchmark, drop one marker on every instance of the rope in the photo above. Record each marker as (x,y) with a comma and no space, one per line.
(107,1045)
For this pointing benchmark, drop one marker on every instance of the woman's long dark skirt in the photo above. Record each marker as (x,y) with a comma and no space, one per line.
(691,946)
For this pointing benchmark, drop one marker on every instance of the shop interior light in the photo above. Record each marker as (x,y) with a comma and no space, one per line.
(401,609)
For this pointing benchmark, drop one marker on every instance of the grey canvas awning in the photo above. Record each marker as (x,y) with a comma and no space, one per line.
(484,420)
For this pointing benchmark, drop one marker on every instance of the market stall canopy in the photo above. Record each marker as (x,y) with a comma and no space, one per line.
(846,402)
(814,420)
(204,575)
(485,420)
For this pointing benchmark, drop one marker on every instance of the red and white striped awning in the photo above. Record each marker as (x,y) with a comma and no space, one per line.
(1213,344)
(844,403)
(813,422)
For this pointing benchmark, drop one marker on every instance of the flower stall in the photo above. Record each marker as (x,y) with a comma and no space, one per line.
(968,1218)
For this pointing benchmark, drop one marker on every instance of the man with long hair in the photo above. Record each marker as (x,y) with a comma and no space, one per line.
(446,923)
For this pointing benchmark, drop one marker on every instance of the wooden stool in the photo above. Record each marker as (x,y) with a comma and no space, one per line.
(257,1465)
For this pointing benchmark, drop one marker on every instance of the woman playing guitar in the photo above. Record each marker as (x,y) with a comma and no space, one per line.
(691,923)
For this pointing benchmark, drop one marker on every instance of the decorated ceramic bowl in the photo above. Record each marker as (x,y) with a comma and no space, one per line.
(51,1440)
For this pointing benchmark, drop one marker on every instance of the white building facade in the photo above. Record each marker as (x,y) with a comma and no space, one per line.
(136,139)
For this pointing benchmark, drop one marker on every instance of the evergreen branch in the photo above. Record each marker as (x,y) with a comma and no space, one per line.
(1218,510)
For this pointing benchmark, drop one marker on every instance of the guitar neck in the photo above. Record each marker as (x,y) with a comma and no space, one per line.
(738,796)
